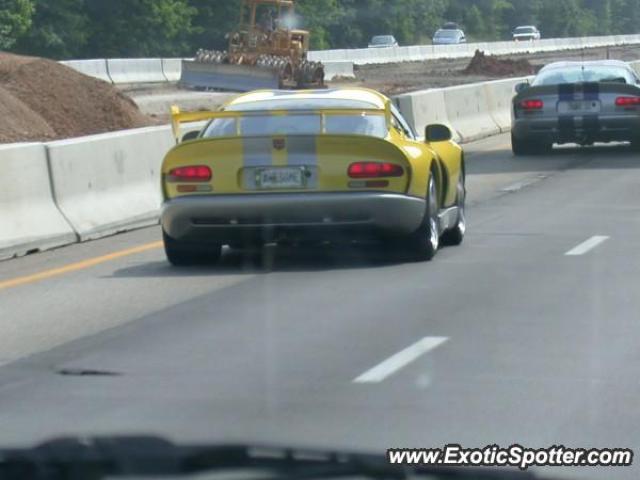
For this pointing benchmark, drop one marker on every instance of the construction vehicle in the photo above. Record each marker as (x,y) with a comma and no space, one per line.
(264,52)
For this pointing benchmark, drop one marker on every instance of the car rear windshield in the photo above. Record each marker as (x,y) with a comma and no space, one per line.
(578,74)
(383,40)
(373,125)
(524,30)
(447,34)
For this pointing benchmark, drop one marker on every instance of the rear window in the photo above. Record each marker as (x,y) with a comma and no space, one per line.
(382,40)
(293,102)
(578,74)
(447,34)
(304,124)
(524,30)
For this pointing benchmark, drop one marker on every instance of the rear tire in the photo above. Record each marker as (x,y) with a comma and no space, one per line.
(242,246)
(520,147)
(423,244)
(455,236)
(182,254)
(528,147)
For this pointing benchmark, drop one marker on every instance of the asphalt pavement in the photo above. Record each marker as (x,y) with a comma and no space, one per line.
(526,334)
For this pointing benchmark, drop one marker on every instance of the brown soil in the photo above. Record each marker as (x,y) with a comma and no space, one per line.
(43,100)
(482,64)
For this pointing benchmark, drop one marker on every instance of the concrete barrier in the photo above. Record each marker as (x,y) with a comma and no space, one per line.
(108,183)
(424,108)
(161,70)
(338,70)
(136,70)
(468,111)
(93,68)
(499,95)
(172,69)
(430,52)
(29,218)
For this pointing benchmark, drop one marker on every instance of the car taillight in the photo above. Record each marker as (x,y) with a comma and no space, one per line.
(628,101)
(532,104)
(375,170)
(192,173)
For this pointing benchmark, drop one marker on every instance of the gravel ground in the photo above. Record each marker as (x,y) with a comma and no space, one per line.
(391,79)
(397,78)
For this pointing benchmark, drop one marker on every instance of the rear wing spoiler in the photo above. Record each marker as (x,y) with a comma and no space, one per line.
(178,117)
(588,88)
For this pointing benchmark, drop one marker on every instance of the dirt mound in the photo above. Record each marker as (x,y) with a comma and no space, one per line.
(42,100)
(19,123)
(489,66)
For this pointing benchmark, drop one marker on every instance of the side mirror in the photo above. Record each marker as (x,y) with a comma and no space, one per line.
(190,135)
(521,87)
(437,133)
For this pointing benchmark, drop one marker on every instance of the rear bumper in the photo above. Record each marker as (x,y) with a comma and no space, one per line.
(268,217)
(578,129)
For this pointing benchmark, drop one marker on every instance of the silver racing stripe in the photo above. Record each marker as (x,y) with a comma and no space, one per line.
(257,151)
(303,151)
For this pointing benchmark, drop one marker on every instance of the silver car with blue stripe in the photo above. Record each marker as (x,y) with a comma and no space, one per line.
(577,102)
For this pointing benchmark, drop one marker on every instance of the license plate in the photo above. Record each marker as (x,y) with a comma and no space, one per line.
(579,106)
(270,178)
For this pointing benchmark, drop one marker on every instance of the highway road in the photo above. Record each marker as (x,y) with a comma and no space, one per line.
(526,334)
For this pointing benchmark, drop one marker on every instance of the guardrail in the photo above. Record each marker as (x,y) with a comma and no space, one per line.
(364,56)
(122,71)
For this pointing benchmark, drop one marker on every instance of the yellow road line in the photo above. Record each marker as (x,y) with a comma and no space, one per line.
(73,267)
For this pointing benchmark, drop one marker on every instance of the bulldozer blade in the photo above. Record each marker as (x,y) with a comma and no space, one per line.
(238,78)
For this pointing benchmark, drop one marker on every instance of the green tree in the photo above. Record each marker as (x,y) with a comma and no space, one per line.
(134,28)
(60,30)
(598,16)
(523,12)
(15,21)
(562,18)
(212,22)
(320,17)
(474,21)
(625,16)
(138,28)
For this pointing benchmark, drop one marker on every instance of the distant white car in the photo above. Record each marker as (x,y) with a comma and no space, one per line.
(383,41)
(526,32)
(449,37)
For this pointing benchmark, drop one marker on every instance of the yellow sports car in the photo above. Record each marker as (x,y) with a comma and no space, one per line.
(317,165)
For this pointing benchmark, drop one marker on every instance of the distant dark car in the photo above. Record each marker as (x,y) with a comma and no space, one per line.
(383,41)
(449,37)
(527,32)
(577,102)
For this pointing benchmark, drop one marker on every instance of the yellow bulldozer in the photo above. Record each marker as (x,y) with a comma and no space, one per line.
(265,51)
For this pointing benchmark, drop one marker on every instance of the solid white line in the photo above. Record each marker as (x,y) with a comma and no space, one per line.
(399,360)
(587,246)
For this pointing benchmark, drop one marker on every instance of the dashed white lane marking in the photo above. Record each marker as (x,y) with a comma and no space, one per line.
(516,187)
(586,247)
(399,360)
